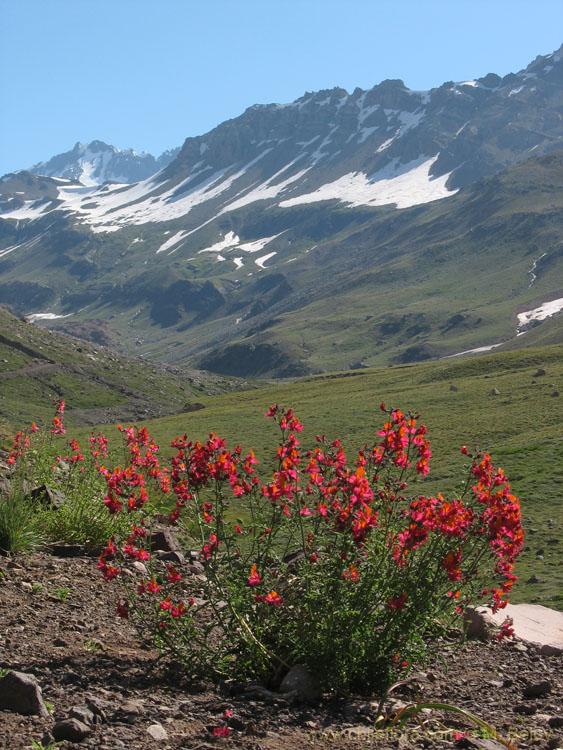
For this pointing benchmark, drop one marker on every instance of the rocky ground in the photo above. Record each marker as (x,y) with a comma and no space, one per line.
(58,623)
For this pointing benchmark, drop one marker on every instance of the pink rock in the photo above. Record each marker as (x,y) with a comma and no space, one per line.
(534,624)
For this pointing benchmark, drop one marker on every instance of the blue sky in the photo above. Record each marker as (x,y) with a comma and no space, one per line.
(144,74)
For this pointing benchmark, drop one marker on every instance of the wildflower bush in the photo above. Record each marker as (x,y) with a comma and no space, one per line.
(56,492)
(331,564)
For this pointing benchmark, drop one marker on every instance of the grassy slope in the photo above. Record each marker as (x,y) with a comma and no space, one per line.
(521,427)
(37,366)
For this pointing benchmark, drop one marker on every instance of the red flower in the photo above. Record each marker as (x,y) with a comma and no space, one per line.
(397,603)
(274,599)
(351,574)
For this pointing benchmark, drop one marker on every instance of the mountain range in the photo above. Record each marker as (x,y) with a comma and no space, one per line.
(340,230)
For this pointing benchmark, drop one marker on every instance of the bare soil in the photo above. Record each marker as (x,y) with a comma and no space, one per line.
(58,622)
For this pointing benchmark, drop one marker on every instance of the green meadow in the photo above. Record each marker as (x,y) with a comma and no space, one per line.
(522,427)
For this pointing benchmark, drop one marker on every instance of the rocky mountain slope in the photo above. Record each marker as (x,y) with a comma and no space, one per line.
(284,241)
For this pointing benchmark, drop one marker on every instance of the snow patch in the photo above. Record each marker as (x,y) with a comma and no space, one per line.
(404,185)
(546,310)
(229,240)
(478,350)
(408,120)
(238,262)
(257,245)
(45,316)
(171,241)
(266,190)
(260,261)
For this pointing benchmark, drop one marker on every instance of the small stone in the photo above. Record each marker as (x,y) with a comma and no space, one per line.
(453,388)
(131,707)
(520,647)
(27,587)
(495,392)
(97,706)
(535,579)
(72,730)
(20,692)
(555,722)
(83,714)
(139,567)
(539,372)
(537,689)
(60,643)
(554,393)
(196,567)
(173,556)
(157,732)
(527,709)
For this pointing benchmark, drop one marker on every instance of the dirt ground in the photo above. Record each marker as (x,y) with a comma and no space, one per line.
(58,622)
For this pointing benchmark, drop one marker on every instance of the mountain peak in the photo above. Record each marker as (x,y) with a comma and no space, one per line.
(97,162)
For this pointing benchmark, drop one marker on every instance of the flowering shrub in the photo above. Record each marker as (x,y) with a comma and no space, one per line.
(42,460)
(331,564)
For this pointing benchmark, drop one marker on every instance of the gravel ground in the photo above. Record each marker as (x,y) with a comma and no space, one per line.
(58,623)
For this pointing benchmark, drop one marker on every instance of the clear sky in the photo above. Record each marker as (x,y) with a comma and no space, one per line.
(146,74)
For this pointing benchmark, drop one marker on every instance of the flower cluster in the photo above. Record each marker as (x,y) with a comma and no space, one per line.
(57,423)
(332,565)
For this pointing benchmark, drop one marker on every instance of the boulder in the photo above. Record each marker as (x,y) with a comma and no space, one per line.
(534,624)
(20,693)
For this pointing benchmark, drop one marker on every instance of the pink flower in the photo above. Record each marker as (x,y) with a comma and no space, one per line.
(254,578)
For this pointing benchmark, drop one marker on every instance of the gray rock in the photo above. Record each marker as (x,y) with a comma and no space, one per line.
(478,623)
(132,707)
(495,392)
(196,568)
(165,540)
(539,372)
(173,556)
(537,689)
(139,567)
(20,693)
(72,730)
(300,682)
(548,649)
(556,722)
(47,496)
(157,732)
(97,706)
(83,714)
(528,709)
